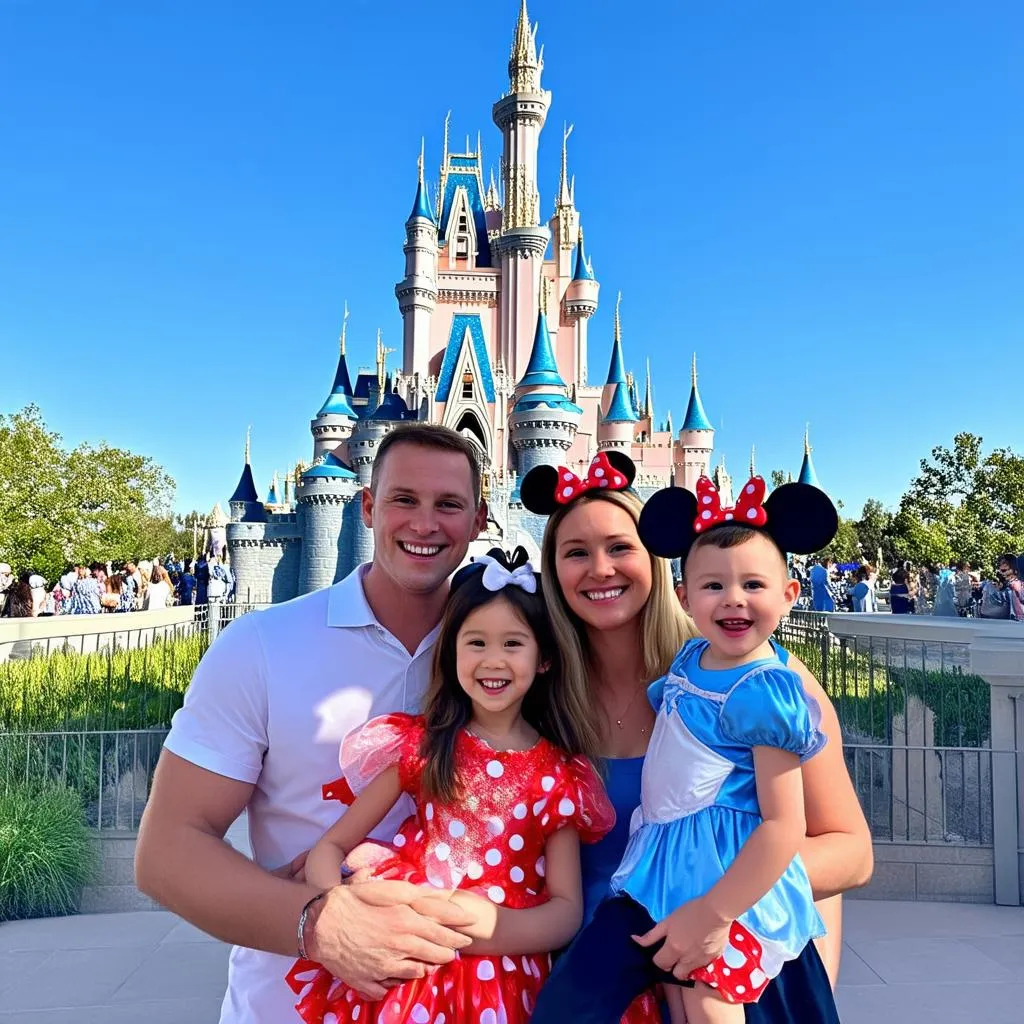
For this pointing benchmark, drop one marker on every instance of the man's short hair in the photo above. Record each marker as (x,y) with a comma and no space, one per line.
(428,435)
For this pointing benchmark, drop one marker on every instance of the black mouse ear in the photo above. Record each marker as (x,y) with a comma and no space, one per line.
(463,575)
(666,522)
(624,464)
(801,518)
(537,490)
(518,557)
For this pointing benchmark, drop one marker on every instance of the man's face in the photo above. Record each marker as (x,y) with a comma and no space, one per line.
(423,516)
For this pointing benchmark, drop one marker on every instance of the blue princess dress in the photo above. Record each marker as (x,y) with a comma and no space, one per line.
(699,806)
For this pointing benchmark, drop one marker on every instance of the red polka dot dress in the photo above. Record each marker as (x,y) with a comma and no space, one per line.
(491,843)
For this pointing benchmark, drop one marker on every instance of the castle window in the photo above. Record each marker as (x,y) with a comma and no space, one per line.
(467,385)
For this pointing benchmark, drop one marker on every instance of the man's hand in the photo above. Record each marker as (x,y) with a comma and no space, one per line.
(694,935)
(370,936)
(294,870)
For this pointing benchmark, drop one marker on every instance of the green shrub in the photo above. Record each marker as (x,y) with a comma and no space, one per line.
(46,852)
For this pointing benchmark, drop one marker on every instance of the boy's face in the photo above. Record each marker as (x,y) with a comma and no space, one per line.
(737,595)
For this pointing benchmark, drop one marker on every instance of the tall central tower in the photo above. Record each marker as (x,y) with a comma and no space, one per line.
(520,114)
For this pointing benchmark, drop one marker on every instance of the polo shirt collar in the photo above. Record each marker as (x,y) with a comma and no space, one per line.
(346,602)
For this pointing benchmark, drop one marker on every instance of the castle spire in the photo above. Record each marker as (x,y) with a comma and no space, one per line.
(564,191)
(649,397)
(248,443)
(492,201)
(807,473)
(616,369)
(246,489)
(542,368)
(421,204)
(524,66)
(753,466)
(344,318)
(668,423)
(696,418)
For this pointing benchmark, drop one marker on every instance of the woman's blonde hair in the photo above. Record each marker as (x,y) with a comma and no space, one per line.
(664,626)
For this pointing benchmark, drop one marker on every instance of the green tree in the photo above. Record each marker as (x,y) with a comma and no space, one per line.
(844,546)
(874,532)
(94,502)
(778,478)
(976,500)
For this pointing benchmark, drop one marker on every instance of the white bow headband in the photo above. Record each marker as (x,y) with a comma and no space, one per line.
(497,577)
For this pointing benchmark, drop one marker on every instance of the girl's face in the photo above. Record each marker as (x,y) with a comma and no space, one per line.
(737,596)
(603,569)
(496,658)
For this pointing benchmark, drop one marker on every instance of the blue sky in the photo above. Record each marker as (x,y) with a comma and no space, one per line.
(824,201)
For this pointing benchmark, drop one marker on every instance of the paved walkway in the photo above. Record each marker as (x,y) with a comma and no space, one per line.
(936,963)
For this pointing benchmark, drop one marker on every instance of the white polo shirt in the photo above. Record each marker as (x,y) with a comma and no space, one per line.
(269,704)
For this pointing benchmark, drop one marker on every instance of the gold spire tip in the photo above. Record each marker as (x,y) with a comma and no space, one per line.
(807,439)
(248,440)
(618,319)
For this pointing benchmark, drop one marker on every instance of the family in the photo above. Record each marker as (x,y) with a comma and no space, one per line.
(522,753)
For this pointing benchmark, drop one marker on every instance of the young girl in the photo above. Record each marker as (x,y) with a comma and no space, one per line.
(712,857)
(504,792)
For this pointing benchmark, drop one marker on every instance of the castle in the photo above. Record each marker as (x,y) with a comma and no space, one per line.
(495,306)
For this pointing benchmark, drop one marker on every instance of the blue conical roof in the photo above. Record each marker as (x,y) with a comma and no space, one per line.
(393,407)
(246,489)
(338,403)
(807,474)
(421,204)
(542,368)
(330,468)
(621,408)
(584,271)
(616,369)
(696,418)
(272,498)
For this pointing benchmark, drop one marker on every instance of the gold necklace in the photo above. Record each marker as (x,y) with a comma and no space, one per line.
(625,711)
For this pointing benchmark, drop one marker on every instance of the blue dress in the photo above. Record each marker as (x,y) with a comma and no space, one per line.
(699,795)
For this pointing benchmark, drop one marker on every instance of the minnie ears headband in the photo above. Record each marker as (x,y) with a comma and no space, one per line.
(545,488)
(500,570)
(799,518)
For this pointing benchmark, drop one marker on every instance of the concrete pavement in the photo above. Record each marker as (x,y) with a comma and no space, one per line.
(937,963)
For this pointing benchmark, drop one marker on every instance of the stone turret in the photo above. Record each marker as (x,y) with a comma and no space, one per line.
(615,431)
(333,423)
(807,473)
(324,493)
(692,456)
(580,304)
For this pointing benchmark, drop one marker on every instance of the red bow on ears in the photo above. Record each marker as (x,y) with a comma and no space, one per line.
(601,474)
(748,510)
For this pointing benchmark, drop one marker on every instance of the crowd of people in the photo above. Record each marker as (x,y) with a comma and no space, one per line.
(954,590)
(114,587)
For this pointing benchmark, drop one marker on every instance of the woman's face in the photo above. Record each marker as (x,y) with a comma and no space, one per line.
(603,569)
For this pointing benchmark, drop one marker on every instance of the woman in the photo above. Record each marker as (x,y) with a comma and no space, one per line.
(160,593)
(85,594)
(899,594)
(619,624)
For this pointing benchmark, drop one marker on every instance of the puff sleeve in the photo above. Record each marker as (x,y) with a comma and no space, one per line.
(579,800)
(382,742)
(770,708)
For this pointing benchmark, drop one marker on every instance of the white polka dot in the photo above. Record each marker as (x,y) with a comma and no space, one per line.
(419,1014)
(599,472)
(456,829)
(733,957)
(396,1006)
(436,881)
(399,840)
(728,515)
(751,513)
(566,807)
(602,483)
(539,806)
(419,835)
(332,1018)
(740,989)
(526,1002)
(474,870)
(749,488)
(515,842)
(442,851)
(356,1010)
(488,1017)
(495,826)
(726,971)
(547,783)
(519,811)
(757,977)
(526,966)
(566,492)
(736,937)
(508,964)
(492,857)
(517,874)
(429,812)
(540,867)
(545,819)
(495,769)
(496,894)
(440,1018)
(706,514)
(567,476)
(706,500)
(485,970)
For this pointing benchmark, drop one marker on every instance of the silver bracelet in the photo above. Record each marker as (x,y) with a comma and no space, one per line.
(302,924)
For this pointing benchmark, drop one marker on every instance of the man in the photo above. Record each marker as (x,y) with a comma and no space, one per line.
(963,586)
(260,730)
(823,589)
(7,580)
(1008,568)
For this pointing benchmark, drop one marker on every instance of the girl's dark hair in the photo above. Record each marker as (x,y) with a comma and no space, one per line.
(448,707)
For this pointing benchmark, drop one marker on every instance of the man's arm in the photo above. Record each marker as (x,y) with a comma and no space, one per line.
(183,862)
